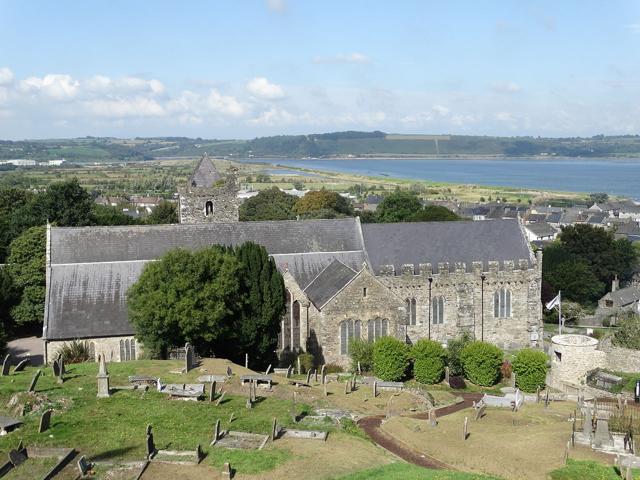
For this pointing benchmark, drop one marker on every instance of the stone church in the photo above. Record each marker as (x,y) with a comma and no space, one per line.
(343,279)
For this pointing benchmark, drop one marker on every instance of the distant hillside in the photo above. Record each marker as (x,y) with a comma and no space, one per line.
(94,149)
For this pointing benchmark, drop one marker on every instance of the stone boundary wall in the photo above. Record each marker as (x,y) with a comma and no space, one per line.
(620,359)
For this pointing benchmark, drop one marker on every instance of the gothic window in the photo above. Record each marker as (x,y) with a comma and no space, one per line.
(133,349)
(502,303)
(295,322)
(284,340)
(357,326)
(346,334)
(127,350)
(122,354)
(437,310)
(385,327)
(208,208)
(411,310)
(377,328)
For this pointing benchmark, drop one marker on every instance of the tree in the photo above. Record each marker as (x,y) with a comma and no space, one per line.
(323,204)
(165,212)
(271,204)
(186,297)
(434,213)
(599,197)
(8,299)
(108,215)
(26,266)
(576,281)
(428,361)
(482,362)
(399,206)
(67,204)
(627,334)
(390,359)
(530,367)
(262,289)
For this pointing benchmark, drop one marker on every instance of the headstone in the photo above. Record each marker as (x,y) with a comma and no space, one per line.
(17,457)
(61,365)
(315,375)
(629,474)
(227,471)
(45,421)
(513,379)
(83,466)
(602,436)
(55,368)
(322,372)
(546,399)
(538,394)
(220,398)
(274,432)
(480,411)
(465,430)
(324,389)
(354,381)
(23,363)
(6,364)
(375,388)
(246,360)
(216,432)
(289,371)
(432,418)
(229,372)
(300,368)
(103,379)
(188,357)
(249,405)
(212,391)
(308,376)
(34,381)
(347,386)
(446,375)
(151,446)
(587,427)
(359,369)
(232,417)
(268,370)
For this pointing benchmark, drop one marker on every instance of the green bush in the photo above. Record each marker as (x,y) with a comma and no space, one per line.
(454,349)
(361,351)
(530,367)
(75,352)
(482,362)
(306,362)
(428,361)
(627,334)
(390,359)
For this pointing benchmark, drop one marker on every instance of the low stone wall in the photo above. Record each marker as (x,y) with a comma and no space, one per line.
(620,359)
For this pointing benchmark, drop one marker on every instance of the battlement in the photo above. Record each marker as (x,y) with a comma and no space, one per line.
(459,268)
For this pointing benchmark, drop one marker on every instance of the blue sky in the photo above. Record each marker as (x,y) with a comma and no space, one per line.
(246,68)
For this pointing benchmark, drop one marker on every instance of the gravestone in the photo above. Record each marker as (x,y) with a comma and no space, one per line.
(55,368)
(246,360)
(34,381)
(359,369)
(83,466)
(315,375)
(587,427)
(347,387)
(308,376)
(354,382)
(103,379)
(465,430)
(268,370)
(232,417)
(602,436)
(432,418)
(249,405)
(22,364)
(212,391)
(538,395)
(45,421)
(480,411)
(151,446)
(300,368)
(324,389)
(17,457)
(274,429)
(227,471)
(446,375)
(629,474)
(216,432)
(513,379)
(289,371)
(322,372)
(188,357)
(375,388)
(61,365)
(220,398)
(6,364)
(229,372)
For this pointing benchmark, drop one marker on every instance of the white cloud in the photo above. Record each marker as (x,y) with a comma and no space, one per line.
(6,76)
(274,117)
(262,88)
(125,107)
(224,104)
(355,57)
(54,86)
(129,84)
(278,6)
(506,87)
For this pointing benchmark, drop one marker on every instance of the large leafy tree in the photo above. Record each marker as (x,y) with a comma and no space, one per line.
(8,298)
(263,294)
(108,215)
(186,297)
(26,266)
(323,204)
(67,204)
(399,206)
(165,212)
(435,213)
(270,204)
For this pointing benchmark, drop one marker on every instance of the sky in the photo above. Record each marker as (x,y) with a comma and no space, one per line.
(247,68)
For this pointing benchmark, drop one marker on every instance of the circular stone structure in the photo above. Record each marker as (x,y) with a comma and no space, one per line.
(572,356)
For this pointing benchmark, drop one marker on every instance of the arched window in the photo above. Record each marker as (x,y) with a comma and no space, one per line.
(502,303)
(410,304)
(208,208)
(295,322)
(377,328)
(346,334)
(357,326)
(437,310)
(127,350)
(285,325)
(122,354)
(133,349)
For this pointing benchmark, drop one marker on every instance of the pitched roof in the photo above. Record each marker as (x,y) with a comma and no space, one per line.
(625,296)
(433,242)
(329,282)
(305,267)
(541,229)
(205,174)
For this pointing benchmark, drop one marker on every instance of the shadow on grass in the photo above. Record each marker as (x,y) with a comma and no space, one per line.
(109,454)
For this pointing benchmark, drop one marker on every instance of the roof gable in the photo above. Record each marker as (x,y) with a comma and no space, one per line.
(205,175)
(329,282)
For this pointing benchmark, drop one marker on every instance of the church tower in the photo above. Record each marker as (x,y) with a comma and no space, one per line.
(209,197)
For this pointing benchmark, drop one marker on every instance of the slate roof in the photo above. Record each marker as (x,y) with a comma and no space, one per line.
(541,229)
(625,296)
(433,242)
(331,280)
(554,217)
(304,267)
(205,174)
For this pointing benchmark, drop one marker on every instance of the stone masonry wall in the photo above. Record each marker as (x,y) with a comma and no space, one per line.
(107,346)
(224,199)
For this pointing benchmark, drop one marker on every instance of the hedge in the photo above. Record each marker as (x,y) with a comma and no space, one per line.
(482,362)
(530,367)
(361,351)
(390,359)
(428,361)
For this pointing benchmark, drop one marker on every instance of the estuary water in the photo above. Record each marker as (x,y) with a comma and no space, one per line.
(612,175)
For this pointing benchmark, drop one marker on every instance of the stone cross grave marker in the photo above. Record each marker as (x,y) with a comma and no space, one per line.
(432,418)
(374,387)
(216,432)
(465,430)
(45,421)
(55,368)
(151,446)
(268,370)
(22,364)
(212,391)
(17,457)
(34,381)
(6,364)
(221,397)
(84,467)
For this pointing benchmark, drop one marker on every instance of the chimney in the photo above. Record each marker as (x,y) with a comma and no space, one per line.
(615,284)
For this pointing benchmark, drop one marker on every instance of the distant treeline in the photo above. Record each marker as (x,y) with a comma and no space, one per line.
(92,149)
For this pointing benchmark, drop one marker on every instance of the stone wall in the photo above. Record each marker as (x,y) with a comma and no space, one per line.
(107,346)
(620,359)
(572,357)
(223,198)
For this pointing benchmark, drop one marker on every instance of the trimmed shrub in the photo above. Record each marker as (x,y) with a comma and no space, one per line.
(306,362)
(361,351)
(390,359)
(454,349)
(428,361)
(482,362)
(531,369)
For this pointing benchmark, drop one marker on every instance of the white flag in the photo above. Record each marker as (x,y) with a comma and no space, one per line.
(553,303)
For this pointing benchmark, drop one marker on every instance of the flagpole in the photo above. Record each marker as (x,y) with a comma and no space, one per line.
(559,312)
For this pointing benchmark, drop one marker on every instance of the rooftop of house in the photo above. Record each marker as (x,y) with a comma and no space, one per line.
(541,229)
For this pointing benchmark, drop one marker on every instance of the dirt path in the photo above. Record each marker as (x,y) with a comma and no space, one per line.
(371,426)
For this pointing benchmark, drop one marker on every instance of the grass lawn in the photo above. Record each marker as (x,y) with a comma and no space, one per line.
(586,470)
(403,471)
